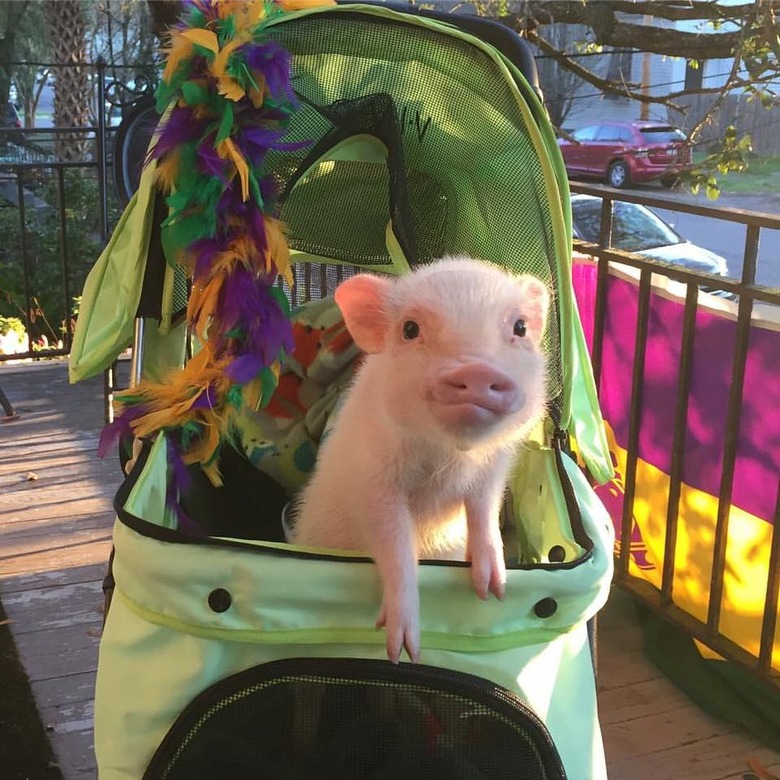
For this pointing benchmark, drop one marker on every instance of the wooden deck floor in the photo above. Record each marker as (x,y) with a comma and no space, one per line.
(55,520)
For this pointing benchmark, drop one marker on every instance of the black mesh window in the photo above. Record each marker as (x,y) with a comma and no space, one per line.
(356,720)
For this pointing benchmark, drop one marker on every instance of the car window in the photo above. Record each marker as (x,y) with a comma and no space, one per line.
(587,218)
(634,227)
(585,134)
(611,133)
(615,133)
(662,135)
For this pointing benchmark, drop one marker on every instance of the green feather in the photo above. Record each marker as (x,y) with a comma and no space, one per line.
(268,385)
(193,93)
(279,295)
(226,123)
(234,396)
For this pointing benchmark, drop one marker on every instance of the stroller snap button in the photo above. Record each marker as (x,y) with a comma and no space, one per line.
(557,554)
(546,607)
(220,600)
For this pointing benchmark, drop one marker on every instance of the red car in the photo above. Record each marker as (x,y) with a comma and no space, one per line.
(627,152)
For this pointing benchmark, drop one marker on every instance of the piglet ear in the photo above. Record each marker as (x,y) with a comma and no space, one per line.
(535,305)
(363,302)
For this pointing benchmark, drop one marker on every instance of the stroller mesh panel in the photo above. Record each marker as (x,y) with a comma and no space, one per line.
(471,170)
(313,282)
(360,721)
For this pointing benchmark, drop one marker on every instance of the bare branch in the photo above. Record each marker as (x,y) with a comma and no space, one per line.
(610,31)
(627,89)
(717,103)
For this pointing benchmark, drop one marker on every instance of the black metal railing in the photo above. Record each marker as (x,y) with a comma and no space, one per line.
(747,293)
(56,215)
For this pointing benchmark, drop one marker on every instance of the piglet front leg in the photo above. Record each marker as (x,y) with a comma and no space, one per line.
(400,617)
(484,547)
(392,544)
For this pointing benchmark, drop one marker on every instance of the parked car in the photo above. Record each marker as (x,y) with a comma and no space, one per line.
(627,152)
(637,229)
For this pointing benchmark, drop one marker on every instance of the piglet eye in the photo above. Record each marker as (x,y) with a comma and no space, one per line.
(519,328)
(411,330)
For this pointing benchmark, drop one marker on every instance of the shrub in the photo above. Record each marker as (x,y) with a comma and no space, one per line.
(48,307)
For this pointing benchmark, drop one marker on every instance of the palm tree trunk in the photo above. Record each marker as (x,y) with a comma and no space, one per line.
(67,31)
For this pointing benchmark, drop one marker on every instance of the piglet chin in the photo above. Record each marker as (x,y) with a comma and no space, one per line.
(468,424)
(466,416)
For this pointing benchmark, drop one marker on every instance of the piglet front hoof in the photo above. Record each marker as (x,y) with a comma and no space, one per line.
(488,569)
(402,629)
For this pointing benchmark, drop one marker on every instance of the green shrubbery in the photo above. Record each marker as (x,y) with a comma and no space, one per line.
(48,308)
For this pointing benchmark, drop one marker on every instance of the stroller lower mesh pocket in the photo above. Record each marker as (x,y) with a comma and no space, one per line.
(356,720)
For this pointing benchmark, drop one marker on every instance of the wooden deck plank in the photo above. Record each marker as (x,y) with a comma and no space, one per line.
(50,579)
(51,608)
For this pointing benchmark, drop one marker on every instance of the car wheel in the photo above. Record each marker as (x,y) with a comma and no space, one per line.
(617,175)
(669,181)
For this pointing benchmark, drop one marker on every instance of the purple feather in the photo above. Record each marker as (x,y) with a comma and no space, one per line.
(179,482)
(210,162)
(247,304)
(244,369)
(120,428)
(231,205)
(204,250)
(254,143)
(206,400)
(274,62)
(180,128)
(177,474)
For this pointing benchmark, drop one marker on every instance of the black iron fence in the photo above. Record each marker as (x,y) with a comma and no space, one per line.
(726,598)
(56,216)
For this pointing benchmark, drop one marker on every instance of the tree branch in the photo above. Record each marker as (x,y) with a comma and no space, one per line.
(611,31)
(624,88)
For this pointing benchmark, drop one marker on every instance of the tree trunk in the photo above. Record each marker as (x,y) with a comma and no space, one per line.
(164,14)
(13,11)
(72,93)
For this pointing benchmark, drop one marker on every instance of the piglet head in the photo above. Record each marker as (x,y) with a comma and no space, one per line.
(454,349)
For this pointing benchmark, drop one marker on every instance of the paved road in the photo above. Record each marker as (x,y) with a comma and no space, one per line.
(728,238)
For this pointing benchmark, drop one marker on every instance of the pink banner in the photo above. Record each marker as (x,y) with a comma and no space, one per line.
(757,467)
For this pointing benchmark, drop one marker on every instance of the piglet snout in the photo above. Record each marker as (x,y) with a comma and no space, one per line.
(478,384)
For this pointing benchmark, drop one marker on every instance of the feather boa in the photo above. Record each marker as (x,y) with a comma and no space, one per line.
(226,97)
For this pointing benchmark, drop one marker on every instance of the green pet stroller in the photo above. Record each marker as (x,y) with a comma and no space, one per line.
(226,651)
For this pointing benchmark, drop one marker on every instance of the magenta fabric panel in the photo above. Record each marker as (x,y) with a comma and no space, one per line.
(758,455)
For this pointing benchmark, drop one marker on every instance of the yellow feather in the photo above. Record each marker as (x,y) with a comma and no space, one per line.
(168,170)
(179,50)
(225,84)
(205,38)
(227,149)
(231,89)
(234,8)
(278,250)
(205,302)
(257,94)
